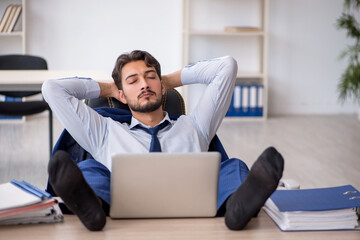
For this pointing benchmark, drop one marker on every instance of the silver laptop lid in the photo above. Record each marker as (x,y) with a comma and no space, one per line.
(161,185)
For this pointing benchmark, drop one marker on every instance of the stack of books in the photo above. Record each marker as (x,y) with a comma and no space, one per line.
(247,101)
(334,208)
(23,203)
(10,18)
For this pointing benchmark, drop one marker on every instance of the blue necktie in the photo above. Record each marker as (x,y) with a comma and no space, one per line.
(155,144)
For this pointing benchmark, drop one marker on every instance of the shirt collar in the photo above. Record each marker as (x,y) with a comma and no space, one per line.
(135,122)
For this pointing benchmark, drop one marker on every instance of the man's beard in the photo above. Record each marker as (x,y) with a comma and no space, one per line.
(147,107)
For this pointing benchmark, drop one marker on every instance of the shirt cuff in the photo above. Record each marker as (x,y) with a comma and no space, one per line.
(92,88)
(188,75)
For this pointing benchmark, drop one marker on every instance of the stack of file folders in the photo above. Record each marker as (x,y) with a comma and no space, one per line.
(247,101)
(23,203)
(334,208)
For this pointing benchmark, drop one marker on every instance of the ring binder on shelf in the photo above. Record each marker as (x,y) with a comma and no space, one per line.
(260,101)
(247,101)
(253,99)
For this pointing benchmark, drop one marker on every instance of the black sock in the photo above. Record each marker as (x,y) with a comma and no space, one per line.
(261,182)
(68,182)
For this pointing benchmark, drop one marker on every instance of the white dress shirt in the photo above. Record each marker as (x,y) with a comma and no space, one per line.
(103,137)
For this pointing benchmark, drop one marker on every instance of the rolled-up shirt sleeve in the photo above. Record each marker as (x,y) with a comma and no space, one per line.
(65,98)
(219,75)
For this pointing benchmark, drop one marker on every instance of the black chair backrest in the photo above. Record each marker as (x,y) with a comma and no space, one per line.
(24,62)
(21,62)
(173,103)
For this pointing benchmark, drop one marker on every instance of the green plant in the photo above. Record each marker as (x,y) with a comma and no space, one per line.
(349,86)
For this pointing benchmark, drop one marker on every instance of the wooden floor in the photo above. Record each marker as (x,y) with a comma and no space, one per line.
(319,151)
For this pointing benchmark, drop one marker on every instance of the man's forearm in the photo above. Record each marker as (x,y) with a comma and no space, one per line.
(108,90)
(172,80)
(219,75)
(65,96)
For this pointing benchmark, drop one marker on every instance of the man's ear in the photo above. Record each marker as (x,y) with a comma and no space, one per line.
(122,97)
(163,90)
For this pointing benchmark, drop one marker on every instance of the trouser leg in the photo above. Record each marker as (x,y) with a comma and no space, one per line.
(260,183)
(98,178)
(233,172)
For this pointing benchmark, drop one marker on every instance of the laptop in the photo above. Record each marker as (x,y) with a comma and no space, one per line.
(164,185)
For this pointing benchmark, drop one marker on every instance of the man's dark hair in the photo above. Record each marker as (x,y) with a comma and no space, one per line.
(135,55)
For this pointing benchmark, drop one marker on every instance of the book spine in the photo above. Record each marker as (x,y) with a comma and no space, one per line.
(252,104)
(260,103)
(15,18)
(237,100)
(246,101)
(9,18)
(5,18)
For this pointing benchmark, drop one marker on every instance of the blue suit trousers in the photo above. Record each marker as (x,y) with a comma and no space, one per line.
(233,172)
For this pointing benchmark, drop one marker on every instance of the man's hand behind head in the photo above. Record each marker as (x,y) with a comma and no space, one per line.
(109,90)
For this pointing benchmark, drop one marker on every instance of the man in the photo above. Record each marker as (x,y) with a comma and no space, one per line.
(85,188)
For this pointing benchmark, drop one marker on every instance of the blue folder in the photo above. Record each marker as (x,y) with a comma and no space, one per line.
(318,199)
(246,101)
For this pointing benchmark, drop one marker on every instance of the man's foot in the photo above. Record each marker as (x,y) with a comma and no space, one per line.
(68,182)
(261,182)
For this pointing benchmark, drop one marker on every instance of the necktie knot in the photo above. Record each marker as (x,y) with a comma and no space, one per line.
(155,143)
(155,130)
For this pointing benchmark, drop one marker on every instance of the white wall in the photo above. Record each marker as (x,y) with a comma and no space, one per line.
(304,65)
(91,34)
(304,44)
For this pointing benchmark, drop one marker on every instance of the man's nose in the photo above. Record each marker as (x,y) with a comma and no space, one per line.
(144,84)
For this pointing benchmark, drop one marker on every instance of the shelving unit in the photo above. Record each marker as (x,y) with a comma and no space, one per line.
(204,37)
(15,41)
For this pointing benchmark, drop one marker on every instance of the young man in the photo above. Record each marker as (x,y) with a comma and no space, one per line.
(85,188)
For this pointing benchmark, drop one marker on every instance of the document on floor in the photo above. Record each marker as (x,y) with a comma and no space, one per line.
(23,203)
(334,208)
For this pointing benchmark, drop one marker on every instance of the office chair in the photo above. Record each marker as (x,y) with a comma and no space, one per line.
(173,103)
(15,109)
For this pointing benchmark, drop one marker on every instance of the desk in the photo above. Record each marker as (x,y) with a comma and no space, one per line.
(31,80)
(261,227)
